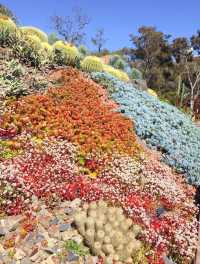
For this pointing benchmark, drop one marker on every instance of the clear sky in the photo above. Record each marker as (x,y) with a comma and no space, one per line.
(119,18)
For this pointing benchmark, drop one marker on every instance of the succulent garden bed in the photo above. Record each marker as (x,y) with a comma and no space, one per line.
(161,125)
(70,142)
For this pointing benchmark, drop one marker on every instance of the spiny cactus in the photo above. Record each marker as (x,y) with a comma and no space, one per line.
(35,32)
(34,42)
(116,73)
(108,232)
(92,64)
(7,31)
(65,53)
(48,50)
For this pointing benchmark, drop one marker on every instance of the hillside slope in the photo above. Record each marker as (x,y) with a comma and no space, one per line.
(69,142)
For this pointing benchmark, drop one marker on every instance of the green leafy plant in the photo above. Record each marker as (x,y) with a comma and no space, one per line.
(136,74)
(76,248)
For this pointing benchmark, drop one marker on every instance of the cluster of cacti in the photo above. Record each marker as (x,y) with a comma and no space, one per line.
(116,73)
(107,232)
(35,32)
(65,53)
(92,64)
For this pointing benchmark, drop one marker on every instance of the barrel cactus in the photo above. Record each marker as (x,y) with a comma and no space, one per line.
(48,49)
(7,30)
(35,32)
(92,64)
(65,53)
(116,73)
(108,232)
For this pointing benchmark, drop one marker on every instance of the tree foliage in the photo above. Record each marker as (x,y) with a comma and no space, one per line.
(99,39)
(72,28)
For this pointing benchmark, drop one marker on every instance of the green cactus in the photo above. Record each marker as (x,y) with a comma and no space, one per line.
(33,31)
(92,64)
(116,73)
(65,53)
(8,31)
(96,222)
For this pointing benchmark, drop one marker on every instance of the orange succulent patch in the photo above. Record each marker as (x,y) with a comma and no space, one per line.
(77,112)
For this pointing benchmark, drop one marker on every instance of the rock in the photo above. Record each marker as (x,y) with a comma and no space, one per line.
(54,221)
(26,260)
(51,250)
(75,203)
(68,210)
(64,227)
(91,260)
(44,221)
(140,84)
(3,231)
(19,254)
(54,231)
(78,239)
(72,257)
(39,256)
(69,234)
(39,237)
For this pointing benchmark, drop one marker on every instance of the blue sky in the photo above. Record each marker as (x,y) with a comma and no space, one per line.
(119,18)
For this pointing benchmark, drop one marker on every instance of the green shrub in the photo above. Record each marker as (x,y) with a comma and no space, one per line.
(8,31)
(136,74)
(35,32)
(119,64)
(65,53)
(83,51)
(92,64)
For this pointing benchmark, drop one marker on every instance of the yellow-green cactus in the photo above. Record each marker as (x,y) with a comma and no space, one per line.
(34,42)
(33,31)
(92,64)
(7,24)
(65,53)
(108,232)
(116,73)
(48,50)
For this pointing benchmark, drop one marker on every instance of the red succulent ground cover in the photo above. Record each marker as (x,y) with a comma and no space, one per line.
(72,134)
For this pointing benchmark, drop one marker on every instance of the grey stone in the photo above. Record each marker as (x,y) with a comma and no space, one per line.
(64,227)
(72,257)
(26,261)
(52,250)
(68,210)
(54,221)
(3,231)
(39,238)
